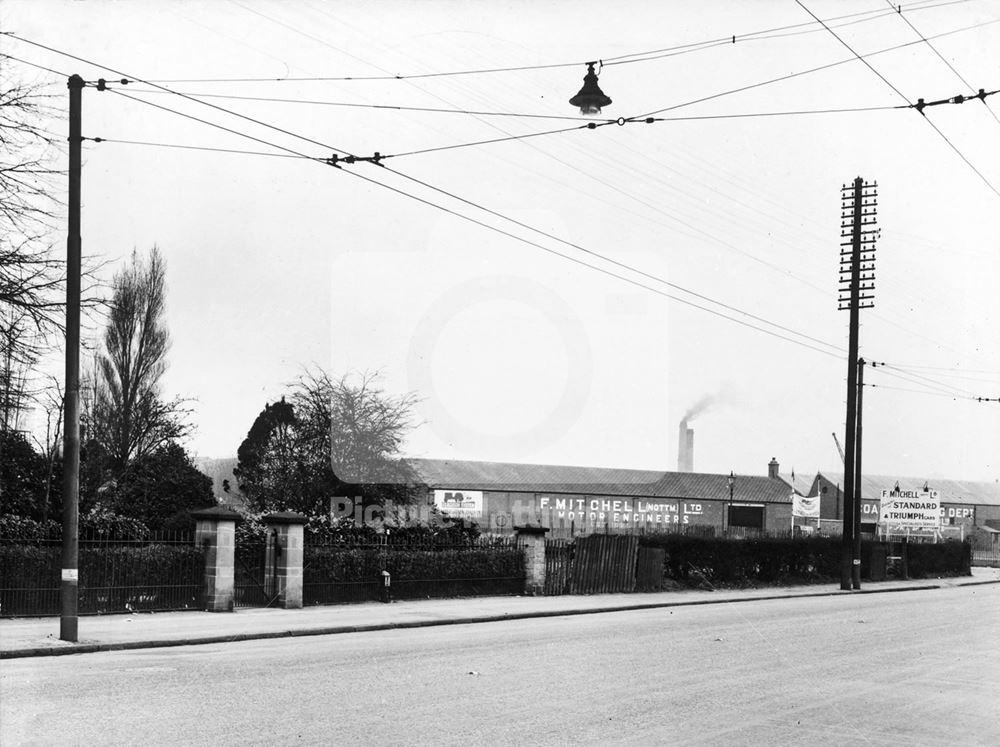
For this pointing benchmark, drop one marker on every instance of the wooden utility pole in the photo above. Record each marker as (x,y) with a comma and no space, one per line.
(69,585)
(857,211)
(856,559)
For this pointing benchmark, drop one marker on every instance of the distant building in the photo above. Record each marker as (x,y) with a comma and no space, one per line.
(964,504)
(576,500)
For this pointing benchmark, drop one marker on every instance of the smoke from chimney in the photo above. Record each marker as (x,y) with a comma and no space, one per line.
(699,407)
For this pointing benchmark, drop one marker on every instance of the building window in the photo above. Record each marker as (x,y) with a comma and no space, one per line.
(746,516)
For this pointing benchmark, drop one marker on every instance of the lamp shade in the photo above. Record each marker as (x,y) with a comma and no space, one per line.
(591,98)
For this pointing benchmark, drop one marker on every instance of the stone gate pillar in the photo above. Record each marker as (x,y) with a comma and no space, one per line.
(283,573)
(215,533)
(533,540)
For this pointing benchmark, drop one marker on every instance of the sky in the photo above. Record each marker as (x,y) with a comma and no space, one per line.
(561,295)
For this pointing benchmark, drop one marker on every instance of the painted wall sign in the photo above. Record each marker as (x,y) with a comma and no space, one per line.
(910,508)
(622,511)
(460,504)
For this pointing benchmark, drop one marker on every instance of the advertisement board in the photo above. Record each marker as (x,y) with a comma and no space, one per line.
(460,504)
(910,508)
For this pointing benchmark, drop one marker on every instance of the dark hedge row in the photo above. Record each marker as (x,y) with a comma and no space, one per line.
(715,560)
(360,564)
(113,578)
(341,573)
(944,558)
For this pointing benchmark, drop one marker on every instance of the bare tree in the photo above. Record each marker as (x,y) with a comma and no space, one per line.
(32,271)
(130,417)
(50,445)
(31,275)
(354,424)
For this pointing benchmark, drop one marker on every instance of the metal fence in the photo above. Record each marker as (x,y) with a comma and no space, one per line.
(159,572)
(989,558)
(338,572)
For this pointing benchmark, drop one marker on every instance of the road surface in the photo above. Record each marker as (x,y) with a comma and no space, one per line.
(908,668)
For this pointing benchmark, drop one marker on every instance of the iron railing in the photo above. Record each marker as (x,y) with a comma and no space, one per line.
(159,572)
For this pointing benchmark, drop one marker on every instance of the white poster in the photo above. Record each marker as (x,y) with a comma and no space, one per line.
(460,504)
(806,507)
(910,508)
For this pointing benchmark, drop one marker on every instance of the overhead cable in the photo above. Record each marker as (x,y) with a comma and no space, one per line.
(951,67)
(809,71)
(905,98)
(471,219)
(727,39)
(527,241)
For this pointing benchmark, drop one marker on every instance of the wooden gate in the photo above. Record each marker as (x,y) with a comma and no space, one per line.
(604,564)
(558,566)
(649,569)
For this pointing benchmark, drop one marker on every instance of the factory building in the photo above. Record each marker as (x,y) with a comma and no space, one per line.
(578,500)
(965,505)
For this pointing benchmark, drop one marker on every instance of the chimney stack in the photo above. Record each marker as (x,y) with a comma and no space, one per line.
(685,448)
(772,468)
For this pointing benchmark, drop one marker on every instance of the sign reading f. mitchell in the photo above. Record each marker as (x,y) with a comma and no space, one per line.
(910,508)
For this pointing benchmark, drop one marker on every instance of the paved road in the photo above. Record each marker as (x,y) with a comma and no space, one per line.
(904,668)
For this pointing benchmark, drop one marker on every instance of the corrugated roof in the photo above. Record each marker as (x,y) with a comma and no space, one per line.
(798,483)
(603,481)
(952,491)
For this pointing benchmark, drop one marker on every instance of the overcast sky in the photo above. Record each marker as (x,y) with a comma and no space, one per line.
(276,263)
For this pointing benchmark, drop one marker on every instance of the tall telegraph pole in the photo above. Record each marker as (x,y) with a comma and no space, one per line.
(857,271)
(71,426)
(856,567)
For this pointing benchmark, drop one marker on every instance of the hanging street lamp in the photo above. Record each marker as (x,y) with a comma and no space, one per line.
(591,98)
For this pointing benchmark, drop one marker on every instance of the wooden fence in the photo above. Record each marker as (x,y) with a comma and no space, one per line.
(600,564)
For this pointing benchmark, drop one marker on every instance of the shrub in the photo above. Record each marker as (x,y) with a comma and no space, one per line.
(743,562)
(943,558)
(416,571)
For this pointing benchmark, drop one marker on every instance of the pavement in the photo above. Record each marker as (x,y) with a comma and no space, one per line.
(39,636)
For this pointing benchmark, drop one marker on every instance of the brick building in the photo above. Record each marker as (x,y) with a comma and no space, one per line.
(964,504)
(574,500)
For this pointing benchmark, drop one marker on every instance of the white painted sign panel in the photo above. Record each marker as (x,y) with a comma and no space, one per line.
(910,508)
(460,504)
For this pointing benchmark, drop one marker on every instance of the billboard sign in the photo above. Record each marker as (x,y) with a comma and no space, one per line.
(910,508)
(460,504)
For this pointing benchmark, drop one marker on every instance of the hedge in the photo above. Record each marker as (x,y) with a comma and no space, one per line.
(941,559)
(455,570)
(769,560)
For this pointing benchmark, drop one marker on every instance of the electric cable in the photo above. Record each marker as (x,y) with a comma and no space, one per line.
(607,61)
(819,68)
(919,380)
(355,105)
(33,64)
(521,115)
(943,59)
(425,184)
(128,77)
(995,372)
(904,97)
(509,234)
(527,227)
(205,148)
(399,173)
(936,394)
